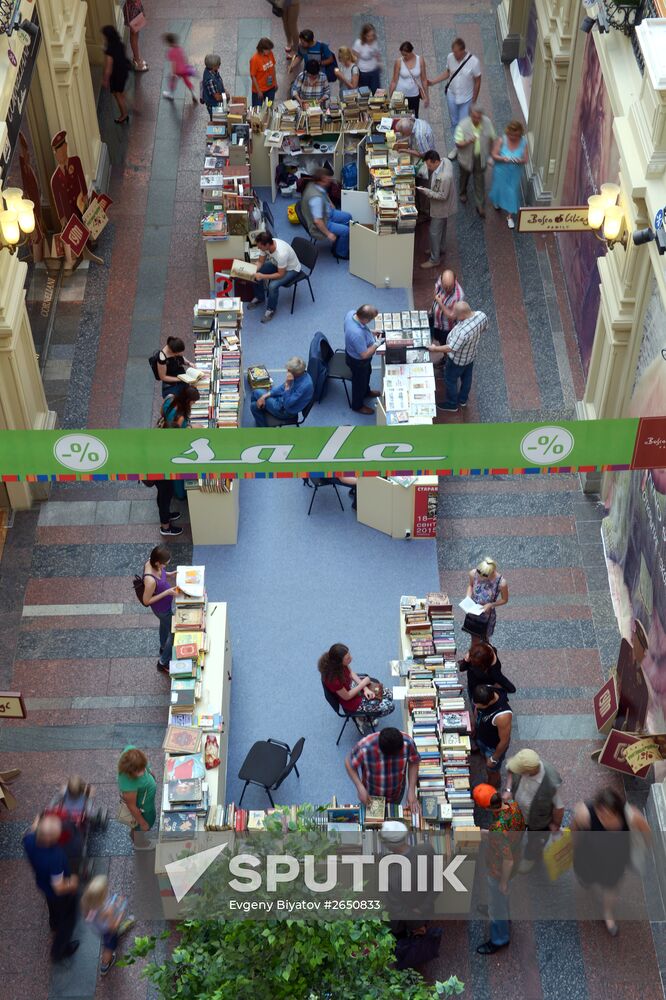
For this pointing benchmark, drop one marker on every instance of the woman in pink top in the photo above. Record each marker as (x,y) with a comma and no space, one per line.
(180,67)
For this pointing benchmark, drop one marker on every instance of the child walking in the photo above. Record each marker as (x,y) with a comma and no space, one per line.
(106,912)
(180,67)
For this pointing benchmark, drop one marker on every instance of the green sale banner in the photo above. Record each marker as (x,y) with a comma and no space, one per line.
(464,449)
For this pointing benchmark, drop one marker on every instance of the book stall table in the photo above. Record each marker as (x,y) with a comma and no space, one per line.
(399,506)
(214,511)
(384,260)
(209,717)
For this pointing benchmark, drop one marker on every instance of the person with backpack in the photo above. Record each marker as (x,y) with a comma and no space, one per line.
(308,49)
(168,363)
(177,408)
(155,591)
(463,76)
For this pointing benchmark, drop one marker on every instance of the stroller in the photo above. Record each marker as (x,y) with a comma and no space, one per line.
(74,805)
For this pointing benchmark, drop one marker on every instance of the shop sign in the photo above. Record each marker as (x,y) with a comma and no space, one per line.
(455,449)
(19,96)
(553,220)
(12,705)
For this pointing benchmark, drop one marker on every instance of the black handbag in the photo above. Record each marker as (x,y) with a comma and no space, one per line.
(414,950)
(475,625)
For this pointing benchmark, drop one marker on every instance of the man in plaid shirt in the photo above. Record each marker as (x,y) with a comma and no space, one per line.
(311,86)
(384,760)
(460,350)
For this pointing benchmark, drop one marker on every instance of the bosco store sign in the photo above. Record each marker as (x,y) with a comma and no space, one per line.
(472,449)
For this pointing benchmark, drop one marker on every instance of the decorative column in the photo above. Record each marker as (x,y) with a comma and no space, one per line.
(99,13)
(511,26)
(557,62)
(23,404)
(61,95)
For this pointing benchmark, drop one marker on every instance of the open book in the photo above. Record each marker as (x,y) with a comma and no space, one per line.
(243,269)
(191,375)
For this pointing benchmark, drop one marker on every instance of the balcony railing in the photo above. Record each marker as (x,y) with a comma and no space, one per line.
(651,8)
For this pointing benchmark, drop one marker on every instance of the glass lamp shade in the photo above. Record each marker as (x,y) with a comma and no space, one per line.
(613,222)
(12,196)
(26,215)
(10,227)
(595,211)
(610,192)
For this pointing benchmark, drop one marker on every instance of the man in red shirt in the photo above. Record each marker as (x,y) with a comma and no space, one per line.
(385,759)
(505,836)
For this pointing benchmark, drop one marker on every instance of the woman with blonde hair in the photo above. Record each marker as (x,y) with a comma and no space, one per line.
(105,912)
(369,57)
(488,588)
(347,71)
(509,156)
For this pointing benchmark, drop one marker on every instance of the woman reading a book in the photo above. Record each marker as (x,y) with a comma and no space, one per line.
(355,693)
(137,790)
(171,364)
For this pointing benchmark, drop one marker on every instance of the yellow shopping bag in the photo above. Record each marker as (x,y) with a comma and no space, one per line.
(558,854)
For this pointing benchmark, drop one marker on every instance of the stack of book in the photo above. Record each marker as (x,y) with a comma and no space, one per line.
(419,632)
(184,794)
(258,377)
(440,611)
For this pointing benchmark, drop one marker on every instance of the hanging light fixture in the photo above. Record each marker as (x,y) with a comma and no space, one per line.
(605,217)
(17,219)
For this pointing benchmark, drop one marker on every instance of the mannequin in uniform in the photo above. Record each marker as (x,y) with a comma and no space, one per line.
(70,191)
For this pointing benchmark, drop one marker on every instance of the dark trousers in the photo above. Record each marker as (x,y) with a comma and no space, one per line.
(166,636)
(361,371)
(479,177)
(413,105)
(535,841)
(454,376)
(371,79)
(62,920)
(164,498)
(258,99)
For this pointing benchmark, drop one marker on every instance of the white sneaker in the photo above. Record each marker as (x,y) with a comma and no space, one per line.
(167,94)
(268,316)
(254,303)
(510,223)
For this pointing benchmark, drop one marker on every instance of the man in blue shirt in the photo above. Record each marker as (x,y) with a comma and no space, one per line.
(285,401)
(322,220)
(360,346)
(53,876)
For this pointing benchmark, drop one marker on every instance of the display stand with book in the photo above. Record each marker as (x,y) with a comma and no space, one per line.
(197,734)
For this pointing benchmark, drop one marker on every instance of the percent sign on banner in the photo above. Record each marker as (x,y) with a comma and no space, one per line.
(545,444)
(81,451)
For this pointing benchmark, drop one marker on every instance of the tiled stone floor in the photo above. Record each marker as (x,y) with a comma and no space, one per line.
(89,677)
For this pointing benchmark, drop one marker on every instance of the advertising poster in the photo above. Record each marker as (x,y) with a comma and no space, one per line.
(425,510)
(635,529)
(592,161)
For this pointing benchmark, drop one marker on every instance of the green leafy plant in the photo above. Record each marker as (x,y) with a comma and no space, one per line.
(286,960)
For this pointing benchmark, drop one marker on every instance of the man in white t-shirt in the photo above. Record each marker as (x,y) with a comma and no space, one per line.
(463,71)
(278,265)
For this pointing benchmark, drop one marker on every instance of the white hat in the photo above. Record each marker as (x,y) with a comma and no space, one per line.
(393,831)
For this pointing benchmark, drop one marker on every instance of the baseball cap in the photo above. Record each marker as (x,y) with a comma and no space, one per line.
(392,831)
(483,795)
(523,761)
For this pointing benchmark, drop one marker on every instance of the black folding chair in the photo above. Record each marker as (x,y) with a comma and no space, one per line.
(268,763)
(269,218)
(339,369)
(307,254)
(312,239)
(317,484)
(296,421)
(334,702)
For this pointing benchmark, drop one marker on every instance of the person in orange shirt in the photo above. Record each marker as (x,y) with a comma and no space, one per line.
(262,72)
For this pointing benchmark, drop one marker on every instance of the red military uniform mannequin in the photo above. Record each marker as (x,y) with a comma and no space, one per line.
(68,182)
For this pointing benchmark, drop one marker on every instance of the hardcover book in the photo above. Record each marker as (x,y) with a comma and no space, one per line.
(182,739)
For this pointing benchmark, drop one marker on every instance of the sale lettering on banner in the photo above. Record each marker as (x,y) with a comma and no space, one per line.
(425,510)
(433,450)
(75,235)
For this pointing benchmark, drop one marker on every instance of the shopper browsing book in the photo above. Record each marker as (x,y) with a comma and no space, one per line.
(286,401)
(493,721)
(169,364)
(384,764)
(137,789)
(355,693)
(277,267)
(158,593)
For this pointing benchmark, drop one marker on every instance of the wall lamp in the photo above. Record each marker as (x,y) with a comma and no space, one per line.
(605,217)
(17,219)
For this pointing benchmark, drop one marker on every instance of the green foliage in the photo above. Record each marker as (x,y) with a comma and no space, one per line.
(286,960)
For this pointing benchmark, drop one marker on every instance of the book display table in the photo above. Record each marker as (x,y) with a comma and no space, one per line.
(386,260)
(214,699)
